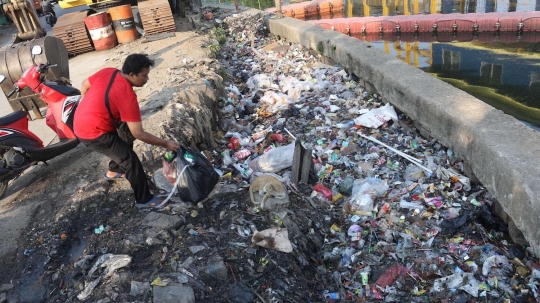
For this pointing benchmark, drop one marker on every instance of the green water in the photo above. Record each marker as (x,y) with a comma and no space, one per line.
(503,71)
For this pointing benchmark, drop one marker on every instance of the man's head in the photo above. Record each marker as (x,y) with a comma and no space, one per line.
(136,69)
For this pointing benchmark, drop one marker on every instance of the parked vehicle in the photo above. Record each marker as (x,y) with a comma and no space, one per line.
(39,9)
(50,19)
(19,147)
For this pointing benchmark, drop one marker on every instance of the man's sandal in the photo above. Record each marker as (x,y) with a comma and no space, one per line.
(155,202)
(115,177)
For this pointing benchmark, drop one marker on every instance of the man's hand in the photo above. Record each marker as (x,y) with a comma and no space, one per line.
(137,131)
(172,146)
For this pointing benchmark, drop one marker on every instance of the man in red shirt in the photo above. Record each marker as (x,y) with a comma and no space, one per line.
(108,120)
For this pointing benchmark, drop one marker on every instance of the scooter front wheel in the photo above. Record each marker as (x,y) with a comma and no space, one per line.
(3,188)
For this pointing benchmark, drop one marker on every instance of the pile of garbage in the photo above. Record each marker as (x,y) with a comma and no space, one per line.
(401,220)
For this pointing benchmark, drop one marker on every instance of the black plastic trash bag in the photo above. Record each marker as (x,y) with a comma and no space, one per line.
(198,177)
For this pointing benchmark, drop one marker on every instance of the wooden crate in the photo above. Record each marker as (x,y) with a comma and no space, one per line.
(156,17)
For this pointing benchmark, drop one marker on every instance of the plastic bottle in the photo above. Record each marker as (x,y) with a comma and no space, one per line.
(246,172)
(384,209)
(346,256)
(364,274)
(227,160)
(327,193)
(331,295)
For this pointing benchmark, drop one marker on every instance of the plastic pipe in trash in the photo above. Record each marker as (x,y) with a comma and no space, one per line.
(404,155)
(288,132)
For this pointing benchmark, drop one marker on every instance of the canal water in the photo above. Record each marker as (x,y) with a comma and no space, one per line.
(502,70)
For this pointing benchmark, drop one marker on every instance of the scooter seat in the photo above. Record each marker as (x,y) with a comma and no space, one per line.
(13,117)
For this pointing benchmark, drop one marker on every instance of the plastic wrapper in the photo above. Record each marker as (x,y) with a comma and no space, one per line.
(463,281)
(273,238)
(413,173)
(169,170)
(390,275)
(495,261)
(411,205)
(377,116)
(447,174)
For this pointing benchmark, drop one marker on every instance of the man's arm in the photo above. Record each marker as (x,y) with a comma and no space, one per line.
(85,87)
(139,133)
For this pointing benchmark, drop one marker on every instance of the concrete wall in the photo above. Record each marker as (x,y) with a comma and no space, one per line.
(503,153)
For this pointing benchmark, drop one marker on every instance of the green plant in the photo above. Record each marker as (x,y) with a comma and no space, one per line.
(214,48)
(223,73)
(219,34)
(320,47)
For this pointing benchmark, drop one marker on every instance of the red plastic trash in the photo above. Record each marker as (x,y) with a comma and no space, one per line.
(390,275)
(327,193)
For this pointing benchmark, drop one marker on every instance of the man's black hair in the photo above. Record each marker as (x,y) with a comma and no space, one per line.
(135,63)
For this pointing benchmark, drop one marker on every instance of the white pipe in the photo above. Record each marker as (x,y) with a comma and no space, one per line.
(288,132)
(404,155)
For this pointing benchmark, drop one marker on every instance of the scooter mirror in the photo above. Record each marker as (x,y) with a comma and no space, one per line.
(36,50)
(2,78)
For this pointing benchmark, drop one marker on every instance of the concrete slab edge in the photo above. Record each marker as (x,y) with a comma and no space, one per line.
(502,152)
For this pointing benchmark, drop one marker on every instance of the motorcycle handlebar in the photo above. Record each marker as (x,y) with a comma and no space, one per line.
(15,89)
(44,67)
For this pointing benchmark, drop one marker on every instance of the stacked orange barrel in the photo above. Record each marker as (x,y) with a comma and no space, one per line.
(100,28)
(123,23)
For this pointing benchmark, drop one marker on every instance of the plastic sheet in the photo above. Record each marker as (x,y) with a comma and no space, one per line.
(275,160)
(377,116)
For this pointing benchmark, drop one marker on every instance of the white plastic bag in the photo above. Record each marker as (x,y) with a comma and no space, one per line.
(377,116)
(274,102)
(363,196)
(259,81)
(274,160)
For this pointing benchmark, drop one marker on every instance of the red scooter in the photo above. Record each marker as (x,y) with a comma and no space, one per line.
(19,147)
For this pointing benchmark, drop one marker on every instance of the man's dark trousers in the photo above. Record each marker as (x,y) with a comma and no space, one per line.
(118,146)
